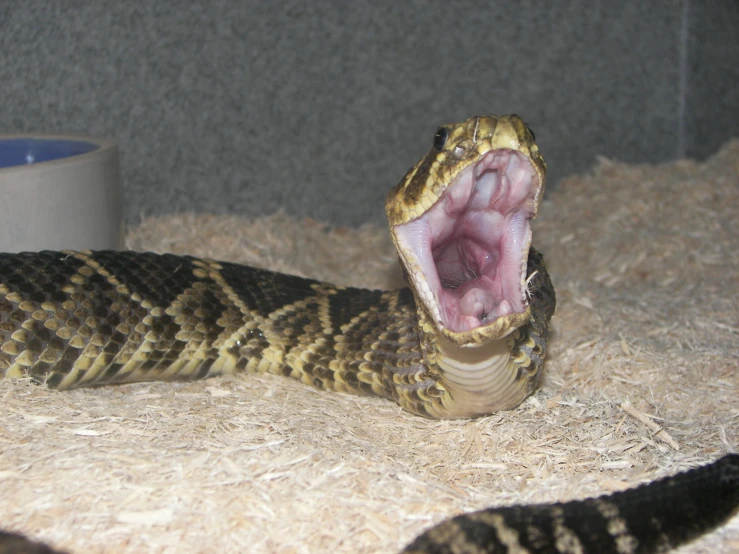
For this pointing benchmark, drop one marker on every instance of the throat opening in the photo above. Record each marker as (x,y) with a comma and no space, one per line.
(470,248)
(467,271)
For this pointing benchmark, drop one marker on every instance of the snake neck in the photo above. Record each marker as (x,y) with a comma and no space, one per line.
(474,380)
(445,380)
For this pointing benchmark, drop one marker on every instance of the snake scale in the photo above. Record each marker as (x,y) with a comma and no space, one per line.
(466,338)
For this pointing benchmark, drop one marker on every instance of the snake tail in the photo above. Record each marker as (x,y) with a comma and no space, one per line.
(649,519)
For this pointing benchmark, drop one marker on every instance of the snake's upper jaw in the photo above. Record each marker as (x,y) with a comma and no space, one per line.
(466,256)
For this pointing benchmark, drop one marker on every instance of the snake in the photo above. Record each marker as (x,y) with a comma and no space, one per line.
(466,337)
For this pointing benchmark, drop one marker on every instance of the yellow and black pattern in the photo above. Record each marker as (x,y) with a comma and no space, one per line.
(652,518)
(72,319)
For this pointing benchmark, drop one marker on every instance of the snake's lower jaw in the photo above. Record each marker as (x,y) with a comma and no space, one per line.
(497,330)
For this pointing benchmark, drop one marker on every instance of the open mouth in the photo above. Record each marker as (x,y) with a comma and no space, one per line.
(467,254)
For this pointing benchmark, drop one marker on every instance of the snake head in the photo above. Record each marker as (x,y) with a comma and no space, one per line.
(460,220)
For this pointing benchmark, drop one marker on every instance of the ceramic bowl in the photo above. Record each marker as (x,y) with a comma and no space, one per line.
(59,192)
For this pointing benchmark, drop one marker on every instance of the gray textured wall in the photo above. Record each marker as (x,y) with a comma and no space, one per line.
(320,107)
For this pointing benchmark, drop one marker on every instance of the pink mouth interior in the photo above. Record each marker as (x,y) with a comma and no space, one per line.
(472,245)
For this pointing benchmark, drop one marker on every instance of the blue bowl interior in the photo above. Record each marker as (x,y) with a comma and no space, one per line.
(24,151)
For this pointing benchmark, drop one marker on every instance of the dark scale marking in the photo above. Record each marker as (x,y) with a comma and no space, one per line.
(18,316)
(204,368)
(212,309)
(484,536)
(321,372)
(415,189)
(293,323)
(43,368)
(159,278)
(110,372)
(44,334)
(158,326)
(56,343)
(15,543)
(37,275)
(54,379)
(286,371)
(348,303)
(252,345)
(405,299)
(393,337)
(537,527)
(68,357)
(103,311)
(150,363)
(35,344)
(74,322)
(351,378)
(264,291)
(543,298)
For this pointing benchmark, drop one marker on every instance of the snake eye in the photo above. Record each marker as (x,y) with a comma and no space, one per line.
(531,132)
(442,133)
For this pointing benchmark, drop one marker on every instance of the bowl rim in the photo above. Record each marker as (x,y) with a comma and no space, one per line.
(104,146)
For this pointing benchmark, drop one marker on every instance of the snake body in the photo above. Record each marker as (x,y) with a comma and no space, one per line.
(467,337)
(84,319)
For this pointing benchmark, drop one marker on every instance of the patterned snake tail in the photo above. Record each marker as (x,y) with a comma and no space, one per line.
(651,518)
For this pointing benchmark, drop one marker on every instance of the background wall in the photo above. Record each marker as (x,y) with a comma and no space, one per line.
(320,107)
